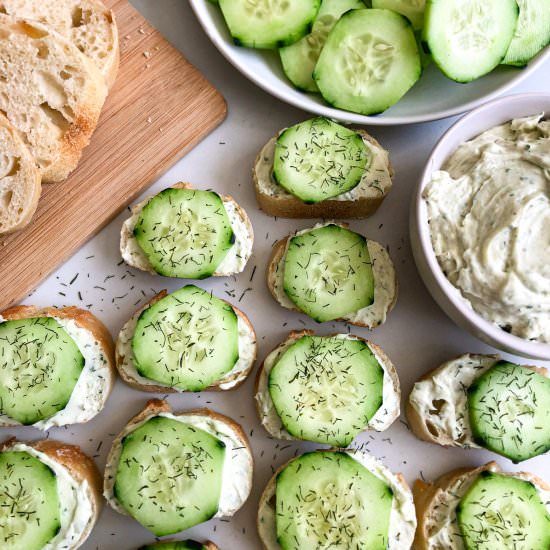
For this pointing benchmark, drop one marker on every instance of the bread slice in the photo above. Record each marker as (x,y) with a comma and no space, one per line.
(369,194)
(134,256)
(88,24)
(127,370)
(266,409)
(97,378)
(50,92)
(78,466)
(431,499)
(154,407)
(20,180)
(385,297)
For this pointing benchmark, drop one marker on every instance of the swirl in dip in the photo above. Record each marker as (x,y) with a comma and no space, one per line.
(489,216)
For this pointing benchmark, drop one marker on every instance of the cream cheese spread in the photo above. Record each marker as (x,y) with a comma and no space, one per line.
(382,420)
(489,216)
(234,262)
(376,181)
(237,468)
(385,284)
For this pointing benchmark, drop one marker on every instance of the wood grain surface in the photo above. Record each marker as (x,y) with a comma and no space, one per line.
(159,108)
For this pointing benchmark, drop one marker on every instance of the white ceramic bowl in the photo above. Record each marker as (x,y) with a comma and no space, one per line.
(444,293)
(432,98)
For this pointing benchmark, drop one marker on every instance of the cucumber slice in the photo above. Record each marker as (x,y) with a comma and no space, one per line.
(39,367)
(369,62)
(413,10)
(177,545)
(169,475)
(319,159)
(509,408)
(184,233)
(501,511)
(268,23)
(299,59)
(532,32)
(326,389)
(328,500)
(29,502)
(187,340)
(469,38)
(328,273)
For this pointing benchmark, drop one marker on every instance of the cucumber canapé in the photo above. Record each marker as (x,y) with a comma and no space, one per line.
(329,500)
(39,367)
(509,409)
(184,233)
(187,340)
(29,502)
(469,38)
(299,59)
(268,23)
(326,389)
(328,273)
(319,159)
(369,62)
(501,511)
(169,475)
(176,545)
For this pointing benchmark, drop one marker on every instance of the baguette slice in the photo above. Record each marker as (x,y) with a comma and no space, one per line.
(20,181)
(88,24)
(127,370)
(50,92)
(266,409)
(78,466)
(431,500)
(100,377)
(385,297)
(276,201)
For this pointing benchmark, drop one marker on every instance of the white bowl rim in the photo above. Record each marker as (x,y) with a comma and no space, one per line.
(493,332)
(353,118)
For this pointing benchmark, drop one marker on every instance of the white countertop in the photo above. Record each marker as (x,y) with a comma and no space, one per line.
(417,336)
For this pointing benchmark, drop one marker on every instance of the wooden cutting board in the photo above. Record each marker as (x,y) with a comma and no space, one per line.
(159,108)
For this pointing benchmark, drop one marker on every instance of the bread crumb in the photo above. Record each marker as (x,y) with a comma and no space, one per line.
(141,31)
(147,55)
(149,120)
(147,65)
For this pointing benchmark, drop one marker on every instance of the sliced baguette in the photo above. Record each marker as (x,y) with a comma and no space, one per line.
(127,369)
(88,24)
(266,409)
(50,92)
(276,201)
(103,374)
(384,299)
(20,180)
(80,467)
(431,498)
(135,257)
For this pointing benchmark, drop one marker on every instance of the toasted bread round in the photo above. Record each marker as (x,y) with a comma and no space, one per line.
(88,24)
(50,92)
(20,180)
(127,371)
(276,263)
(261,391)
(84,320)
(79,466)
(286,205)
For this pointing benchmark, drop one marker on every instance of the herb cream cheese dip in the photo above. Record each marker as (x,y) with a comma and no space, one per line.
(489,216)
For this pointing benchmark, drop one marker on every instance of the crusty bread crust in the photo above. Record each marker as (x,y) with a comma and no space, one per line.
(417,423)
(240,378)
(429,496)
(288,206)
(269,492)
(296,335)
(277,254)
(79,466)
(84,319)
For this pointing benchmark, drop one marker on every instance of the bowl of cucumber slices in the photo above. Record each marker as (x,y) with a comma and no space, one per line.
(381,62)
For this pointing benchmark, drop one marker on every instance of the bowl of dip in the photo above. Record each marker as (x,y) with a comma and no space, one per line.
(480,224)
